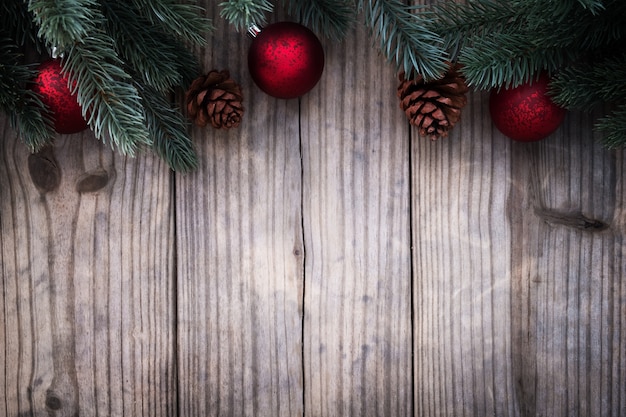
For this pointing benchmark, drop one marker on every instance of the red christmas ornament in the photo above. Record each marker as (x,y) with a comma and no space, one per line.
(526,113)
(53,89)
(285,60)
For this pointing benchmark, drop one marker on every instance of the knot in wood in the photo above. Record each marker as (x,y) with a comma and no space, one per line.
(53,402)
(92,181)
(44,170)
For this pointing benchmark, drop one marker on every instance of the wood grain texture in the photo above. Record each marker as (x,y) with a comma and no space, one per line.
(87,281)
(568,265)
(519,301)
(462,258)
(357,334)
(324,260)
(240,255)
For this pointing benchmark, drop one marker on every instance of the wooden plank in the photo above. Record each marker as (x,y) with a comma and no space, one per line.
(87,264)
(518,263)
(357,334)
(462,261)
(568,263)
(240,254)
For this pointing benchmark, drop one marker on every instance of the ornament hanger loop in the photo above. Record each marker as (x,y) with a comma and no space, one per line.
(56,52)
(253,30)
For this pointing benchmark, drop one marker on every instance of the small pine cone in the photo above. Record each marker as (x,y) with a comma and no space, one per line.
(434,106)
(215,98)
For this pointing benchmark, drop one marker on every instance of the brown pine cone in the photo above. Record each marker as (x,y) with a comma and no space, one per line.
(215,98)
(434,106)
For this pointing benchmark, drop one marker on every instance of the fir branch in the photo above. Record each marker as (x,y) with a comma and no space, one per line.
(17,22)
(541,24)
(578,29)
(488,65)
(244,13)
(404,38)
(586,85)
(63,23)
(12,75)
(160,60)
(95,72)
(105,92)
(168,130)
(27,113)
(332,19)
(506,43)
(555,10)
(614,128)
(33,123)
(181,19)
(594,6)
(459,23)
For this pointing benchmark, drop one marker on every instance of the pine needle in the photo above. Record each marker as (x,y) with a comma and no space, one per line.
(168,130)
(330,18)
(614,128)
(594,6)
(17,22)
(487,65)
(404,38)
(585,85)
(62,23)
(106,94)
(180,19)
(27,112)
(33,123)
(244,13)
(158,59)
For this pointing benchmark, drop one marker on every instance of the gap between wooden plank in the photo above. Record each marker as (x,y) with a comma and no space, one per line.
(303,259)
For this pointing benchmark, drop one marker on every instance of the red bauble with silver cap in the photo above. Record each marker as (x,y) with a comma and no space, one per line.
(526,113)
(52,86)
(285,60)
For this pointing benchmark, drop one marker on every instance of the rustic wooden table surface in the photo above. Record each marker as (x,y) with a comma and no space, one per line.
(323,261)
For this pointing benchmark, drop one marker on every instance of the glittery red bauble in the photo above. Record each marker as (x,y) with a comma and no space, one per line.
(53,89)
(526,113)
(286,60)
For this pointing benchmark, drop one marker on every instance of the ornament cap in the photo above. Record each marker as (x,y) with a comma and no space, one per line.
(253,30)
(56,52)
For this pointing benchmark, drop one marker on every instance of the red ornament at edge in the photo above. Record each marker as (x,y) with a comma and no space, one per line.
(526,113)
(286,60)
(53,89)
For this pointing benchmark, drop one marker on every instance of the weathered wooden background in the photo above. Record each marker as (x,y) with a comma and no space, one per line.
(323,261)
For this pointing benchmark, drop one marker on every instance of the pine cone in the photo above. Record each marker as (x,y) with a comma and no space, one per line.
(215,98)
(435,106)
